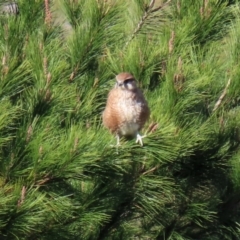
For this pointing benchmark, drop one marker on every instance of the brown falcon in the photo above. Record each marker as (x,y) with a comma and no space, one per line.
(126,110)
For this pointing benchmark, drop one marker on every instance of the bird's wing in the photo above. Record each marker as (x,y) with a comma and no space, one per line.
(111,115)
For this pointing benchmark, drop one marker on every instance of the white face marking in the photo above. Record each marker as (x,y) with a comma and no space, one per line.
(129,86)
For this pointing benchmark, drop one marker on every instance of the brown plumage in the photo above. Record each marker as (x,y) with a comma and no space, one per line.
(126,110)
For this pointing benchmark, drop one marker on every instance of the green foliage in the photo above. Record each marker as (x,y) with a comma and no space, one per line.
(60,177)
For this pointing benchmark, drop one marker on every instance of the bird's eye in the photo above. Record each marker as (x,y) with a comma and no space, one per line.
(128,81)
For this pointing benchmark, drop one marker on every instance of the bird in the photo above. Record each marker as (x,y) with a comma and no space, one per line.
(126,109)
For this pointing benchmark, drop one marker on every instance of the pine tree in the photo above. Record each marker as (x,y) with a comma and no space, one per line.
(60,177)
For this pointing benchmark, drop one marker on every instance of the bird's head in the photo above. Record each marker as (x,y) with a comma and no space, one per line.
(125,81)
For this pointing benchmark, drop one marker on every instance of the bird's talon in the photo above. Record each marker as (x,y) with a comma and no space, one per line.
(139,139)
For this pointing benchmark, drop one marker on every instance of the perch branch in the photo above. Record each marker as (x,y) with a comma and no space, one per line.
(218,103)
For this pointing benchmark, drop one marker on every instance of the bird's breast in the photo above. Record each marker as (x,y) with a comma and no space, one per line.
(129,110)
(126,112)
(129,129)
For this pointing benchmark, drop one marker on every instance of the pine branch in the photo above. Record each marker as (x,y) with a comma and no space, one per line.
(149,10)
(23,193)
(48,16)
(123,211)
(167,231)
(218,103)
(160,7)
